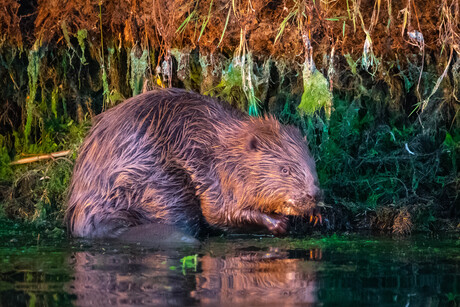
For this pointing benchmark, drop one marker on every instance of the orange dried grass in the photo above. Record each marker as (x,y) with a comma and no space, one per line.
(9,23)
(339,24)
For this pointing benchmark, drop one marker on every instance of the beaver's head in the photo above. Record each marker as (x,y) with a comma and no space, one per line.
(277,171)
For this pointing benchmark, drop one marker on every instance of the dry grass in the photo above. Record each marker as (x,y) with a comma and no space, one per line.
(9,23)
(272,27)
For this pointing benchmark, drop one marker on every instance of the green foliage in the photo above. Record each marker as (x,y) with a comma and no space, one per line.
(240,85)
(230,87)
(65,32)
(189,262)
(363,163)
(5,169)
(370,153)
(186,21)
(56,179)
(138,66)
(352,64)
(316,93)
(225,27)
(38,190)
(453,297)
(292,13)
(366,164)
(54,101)
(105,84)
(33,69)
(203,26)
(248,87)
(49,186)
(82,34)
(113,95)
(452,145)
(184,71)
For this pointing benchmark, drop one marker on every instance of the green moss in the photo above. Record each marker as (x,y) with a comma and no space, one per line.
(183,66)
(230,86)
(5,168)
(82,34)
(105,85)
(138,65)
(248,87)
(316,93)
(65,32)
(352,64)
(239,85)
(452,145)
(33,69)
(54,101)
(113,95)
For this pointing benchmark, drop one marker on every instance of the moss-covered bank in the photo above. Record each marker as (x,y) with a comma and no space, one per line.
(375,86)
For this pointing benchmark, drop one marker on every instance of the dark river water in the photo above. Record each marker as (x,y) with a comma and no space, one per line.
(47,269)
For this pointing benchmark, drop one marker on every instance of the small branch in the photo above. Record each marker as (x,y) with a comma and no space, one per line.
(41,157)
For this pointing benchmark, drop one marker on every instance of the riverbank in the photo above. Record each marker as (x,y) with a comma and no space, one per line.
(375,87)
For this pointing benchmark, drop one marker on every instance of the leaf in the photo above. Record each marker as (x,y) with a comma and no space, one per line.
(284,22)
(185,22)
(225,28)
(206,21)
(189,262)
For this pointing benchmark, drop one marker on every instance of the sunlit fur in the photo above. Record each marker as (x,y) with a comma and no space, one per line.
(176,157)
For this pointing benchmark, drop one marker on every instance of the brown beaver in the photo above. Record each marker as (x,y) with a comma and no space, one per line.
(180,158)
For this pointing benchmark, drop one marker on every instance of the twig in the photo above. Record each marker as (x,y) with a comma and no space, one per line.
(41,157)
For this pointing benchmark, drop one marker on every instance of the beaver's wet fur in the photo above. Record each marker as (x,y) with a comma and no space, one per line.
(179,158)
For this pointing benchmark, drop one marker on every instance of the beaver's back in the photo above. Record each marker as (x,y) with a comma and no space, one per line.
(142,142)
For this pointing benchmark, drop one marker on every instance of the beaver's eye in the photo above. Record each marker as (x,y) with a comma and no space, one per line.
(284,171)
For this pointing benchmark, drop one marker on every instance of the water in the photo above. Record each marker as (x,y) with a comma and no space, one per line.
(325,270)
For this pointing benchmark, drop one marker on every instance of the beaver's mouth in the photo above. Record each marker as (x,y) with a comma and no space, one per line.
(310,210)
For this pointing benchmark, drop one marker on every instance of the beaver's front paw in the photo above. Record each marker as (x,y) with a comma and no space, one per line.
(276,224)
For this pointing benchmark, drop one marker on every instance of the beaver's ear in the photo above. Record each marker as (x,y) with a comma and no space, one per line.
(253,144)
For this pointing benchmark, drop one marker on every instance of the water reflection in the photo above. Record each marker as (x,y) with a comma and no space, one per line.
(337,271)
(243,277)
(256,278)
(102,279)
(33,276)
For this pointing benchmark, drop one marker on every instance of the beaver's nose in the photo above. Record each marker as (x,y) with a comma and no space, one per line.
(314,195)
(310,198)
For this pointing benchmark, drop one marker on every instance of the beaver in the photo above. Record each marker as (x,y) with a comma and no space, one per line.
(175,157)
